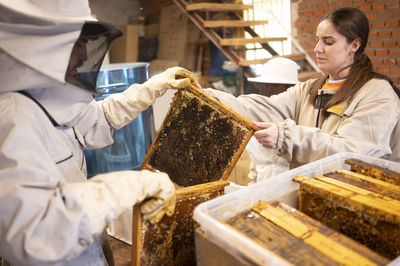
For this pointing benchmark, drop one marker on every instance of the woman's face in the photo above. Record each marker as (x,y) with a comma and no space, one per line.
(332,50)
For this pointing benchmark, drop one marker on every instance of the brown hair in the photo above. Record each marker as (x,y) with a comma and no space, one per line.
(353,24)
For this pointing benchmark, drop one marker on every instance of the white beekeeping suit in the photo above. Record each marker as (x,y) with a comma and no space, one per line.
(50,52)
(266,163)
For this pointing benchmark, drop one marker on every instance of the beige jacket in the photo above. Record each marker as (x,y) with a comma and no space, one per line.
(369,124)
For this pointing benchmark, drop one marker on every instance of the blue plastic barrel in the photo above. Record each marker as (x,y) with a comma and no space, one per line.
(131,142)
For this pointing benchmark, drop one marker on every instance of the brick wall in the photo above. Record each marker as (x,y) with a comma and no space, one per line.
(384,39)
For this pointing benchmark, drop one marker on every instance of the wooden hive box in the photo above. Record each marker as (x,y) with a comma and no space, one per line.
(171,241)
(299,239)
(368,217)
(197,145)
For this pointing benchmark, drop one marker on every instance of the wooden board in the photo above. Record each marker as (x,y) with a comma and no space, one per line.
(384,188)
(199,141)
(216,7)
(368,217)
(171,241)
(233,23)
(298,239)
(245,41)
(373,170)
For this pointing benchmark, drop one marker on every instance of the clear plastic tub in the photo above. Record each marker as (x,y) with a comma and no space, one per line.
(280,187)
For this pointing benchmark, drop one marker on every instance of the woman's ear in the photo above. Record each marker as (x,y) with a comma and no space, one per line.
(355,45)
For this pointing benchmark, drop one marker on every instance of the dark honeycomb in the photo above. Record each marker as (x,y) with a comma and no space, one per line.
(197,142)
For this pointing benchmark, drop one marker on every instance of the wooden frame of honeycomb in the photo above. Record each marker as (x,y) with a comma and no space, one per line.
(200,139)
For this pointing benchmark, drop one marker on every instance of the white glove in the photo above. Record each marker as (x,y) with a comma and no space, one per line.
(120,109)
(104,197)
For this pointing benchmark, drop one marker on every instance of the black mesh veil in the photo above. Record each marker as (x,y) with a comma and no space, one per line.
(88,54)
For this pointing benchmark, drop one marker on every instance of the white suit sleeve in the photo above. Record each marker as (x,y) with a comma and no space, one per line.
(260,108)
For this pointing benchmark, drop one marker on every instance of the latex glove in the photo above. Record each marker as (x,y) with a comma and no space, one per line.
(267,135)
(121,108)
(104,197)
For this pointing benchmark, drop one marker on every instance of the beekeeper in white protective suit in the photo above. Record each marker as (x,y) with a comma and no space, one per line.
(50,52)
(277,73)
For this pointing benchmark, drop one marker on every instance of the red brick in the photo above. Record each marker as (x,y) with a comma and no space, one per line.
(313,5)
(322,4)
(319,13)
(370,53)
(377,61)
(334,4)
(373,35)
(386,15)
(307,14)
(300,22)
(395,70)
(390,44)
(309,29)
(347,2)
(365,8)
(396,34)
(393,24)
(384,70)
(380,6)
(384,34)
(394,52)
(372,15)
(375,44)
(315,21)
(381,53)
(389,62)
(378,25)
(392,4)
(303,5)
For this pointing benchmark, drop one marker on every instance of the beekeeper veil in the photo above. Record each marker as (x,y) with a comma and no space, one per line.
(58,39)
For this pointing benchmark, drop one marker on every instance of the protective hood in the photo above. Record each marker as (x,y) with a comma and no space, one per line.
(41,34)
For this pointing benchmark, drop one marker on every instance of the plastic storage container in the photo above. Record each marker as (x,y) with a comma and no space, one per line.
(131,142)
(280,187)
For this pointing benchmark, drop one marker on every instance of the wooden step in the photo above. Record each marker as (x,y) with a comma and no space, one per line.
(294,57)
(216,7)
(244,41)
(232,23)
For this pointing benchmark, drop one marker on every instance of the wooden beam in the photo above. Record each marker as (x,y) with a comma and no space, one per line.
(294,57)
(232,23)
(244,41)
(216,7)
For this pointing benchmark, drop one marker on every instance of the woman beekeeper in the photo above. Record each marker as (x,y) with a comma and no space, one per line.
(49,213)
(349,109)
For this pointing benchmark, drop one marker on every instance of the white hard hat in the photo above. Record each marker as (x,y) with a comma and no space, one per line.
(279,70)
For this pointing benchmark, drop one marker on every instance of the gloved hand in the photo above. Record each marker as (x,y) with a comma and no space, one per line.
(120,109)
(105,196)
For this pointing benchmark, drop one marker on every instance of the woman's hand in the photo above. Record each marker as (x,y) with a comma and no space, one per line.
(267,135)
(197,84)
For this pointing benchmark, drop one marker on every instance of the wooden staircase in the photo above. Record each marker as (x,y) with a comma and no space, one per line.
(202,14)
